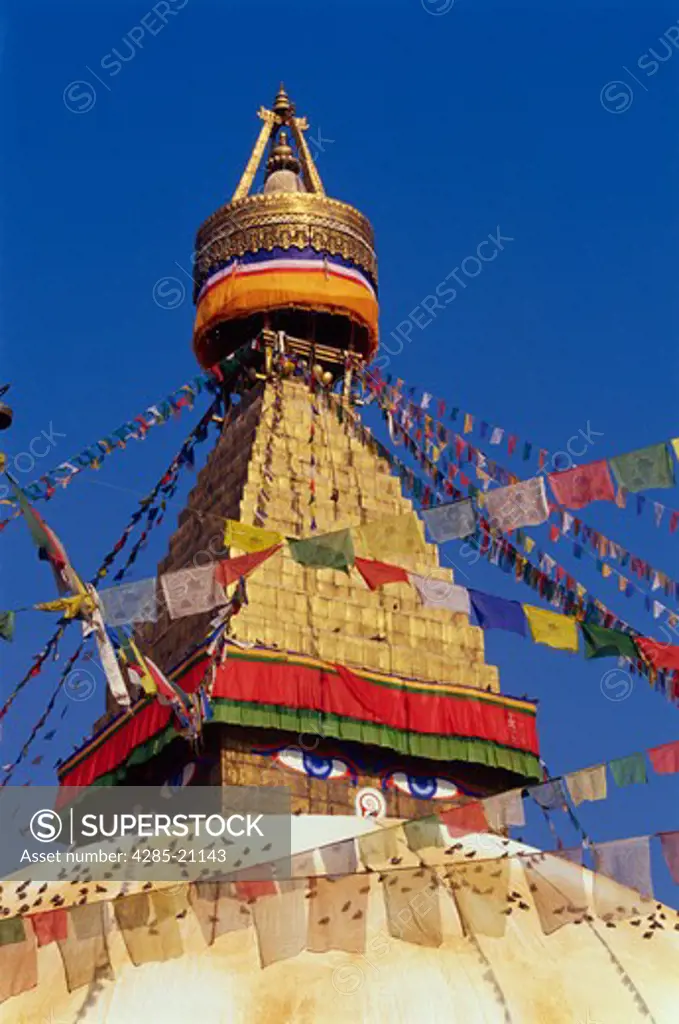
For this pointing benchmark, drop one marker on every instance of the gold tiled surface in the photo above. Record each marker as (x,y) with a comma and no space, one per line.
(323,612)
(319,612)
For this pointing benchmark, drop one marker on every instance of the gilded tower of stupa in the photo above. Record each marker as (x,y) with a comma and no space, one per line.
(297,271)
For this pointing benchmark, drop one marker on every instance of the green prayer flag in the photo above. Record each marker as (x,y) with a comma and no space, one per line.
(327,551)
(423,832)
(628,771)
(607,643)
(12,931)
(7,625)
(644,468)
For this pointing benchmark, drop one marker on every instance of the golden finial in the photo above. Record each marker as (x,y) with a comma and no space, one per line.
(282,157)
(282,106)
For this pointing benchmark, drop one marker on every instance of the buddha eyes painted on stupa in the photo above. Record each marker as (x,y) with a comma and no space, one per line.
(422,787)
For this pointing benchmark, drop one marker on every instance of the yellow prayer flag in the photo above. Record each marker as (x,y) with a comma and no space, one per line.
(529,544)
(606,571)
(70,606)
(249,538)
(588,784)
(468,423)
(387,539)
(551,628)
(675,444)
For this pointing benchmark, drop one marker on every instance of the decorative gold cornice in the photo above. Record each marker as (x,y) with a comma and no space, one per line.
(277,219)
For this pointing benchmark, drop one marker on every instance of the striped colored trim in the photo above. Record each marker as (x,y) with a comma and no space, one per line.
(263,716)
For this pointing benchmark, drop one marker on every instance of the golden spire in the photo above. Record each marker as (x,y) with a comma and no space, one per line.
(282,116)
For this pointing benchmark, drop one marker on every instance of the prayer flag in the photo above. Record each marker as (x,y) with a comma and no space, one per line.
(577,487)
(629,771)
(191,591)
(505,810)
(422,833)
(217,909)
(131,602)
(675,444)
(522,504)
(338,913)
(391,537)
(249,538)
(644,468)
(84,952)
(149,925)
(340,858)
(377,848)
(280,923)
(326,551)
(18,959)
(228,570)
(557,886)
(376,574)
(48,544)
(467,818)
(658,654)
(497,613)
(627,861)
(603,643)
(50,926)
(669,842)
(451,521)
(550,795)
(7,620)
(107,654)
(480,892)
(413,911)
(551,628)
(665,759)
(588,784)
(440,593)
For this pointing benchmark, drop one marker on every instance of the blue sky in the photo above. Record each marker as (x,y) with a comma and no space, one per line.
(553,125)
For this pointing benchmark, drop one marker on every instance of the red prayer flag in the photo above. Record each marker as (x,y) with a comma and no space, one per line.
(50,926)
(657,654)
(250,891)
(669,842)
(376,574)
(577,487)
(665,759)
(229,570)
(468,818)
(512,441)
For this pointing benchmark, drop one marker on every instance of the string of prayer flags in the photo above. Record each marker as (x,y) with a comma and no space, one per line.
(390,537)
(7,624)
(588,784)
(250,539)
(629,771)
(377,574)
(522,504)
(552,629)
(440,593)
(577,487)
(498,613)
(130,602)
(669,842)
(603,643)
(452,521)
(644,468)
(665,759)
(329,550)
(229,570)
(191,591)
